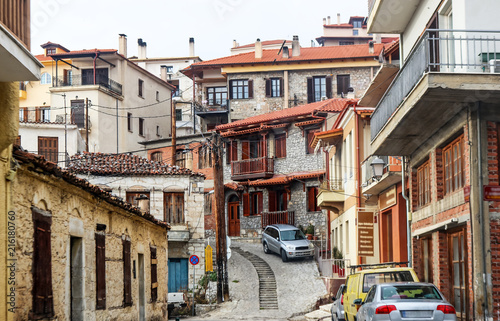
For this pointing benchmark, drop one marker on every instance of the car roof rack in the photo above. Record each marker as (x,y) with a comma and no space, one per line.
(376,265)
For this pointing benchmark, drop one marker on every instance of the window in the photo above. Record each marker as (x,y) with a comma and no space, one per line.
(346,43)
(208,203)
(319,87)
(127,275)
(204,157)
(157,95)
(131,197)
(454,172)
(253,148)
(78,112)
(423,184)
(253,203)
(241,89)
(67,77)
(42,114)
(141,126)
(274,87)
(280,146)
(217,96)
(157,157)
(154,274)
(158,131)
(170,68)
(278,200)
(48,147)
(343,84)
(231,152)
(43,302)
(426,259)
(50,51)
(178,114)
(100,258)
(312,194)
(129,122)
(23,114)
(310,138)
(356,24)
(46,79)
(355,32)
(180,157)
(22,85)
(173,205)
(141,87)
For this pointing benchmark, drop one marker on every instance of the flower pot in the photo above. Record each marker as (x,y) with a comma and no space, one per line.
(309,236)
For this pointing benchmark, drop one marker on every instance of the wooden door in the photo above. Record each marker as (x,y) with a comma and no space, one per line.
(234,218)
(458,273)
(49,148)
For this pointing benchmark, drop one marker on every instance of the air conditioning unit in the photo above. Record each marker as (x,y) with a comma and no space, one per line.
(494,66)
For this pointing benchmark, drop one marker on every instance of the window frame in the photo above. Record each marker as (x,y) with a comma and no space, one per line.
(343,83)
(423,184)
(141,127)
(453,166)
(129,122)
(312,194)
(46,79)
(314,95)
(280,145)
(173,207)
(246,91)
(49,148)
(156,156)
(140,88)
(213,96)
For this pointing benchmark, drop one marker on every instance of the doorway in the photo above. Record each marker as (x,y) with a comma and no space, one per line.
(77,280)
(142,293)
(458,273)
(233,207)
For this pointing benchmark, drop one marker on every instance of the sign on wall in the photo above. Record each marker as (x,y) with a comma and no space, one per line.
(388,198)
(365,234)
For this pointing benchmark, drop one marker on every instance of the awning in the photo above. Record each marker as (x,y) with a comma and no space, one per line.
(329,137)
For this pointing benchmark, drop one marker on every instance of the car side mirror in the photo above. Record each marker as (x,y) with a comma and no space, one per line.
(334,299)
(358,302)
(277,238)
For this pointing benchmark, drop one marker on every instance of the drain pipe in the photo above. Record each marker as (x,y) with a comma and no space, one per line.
(408,212)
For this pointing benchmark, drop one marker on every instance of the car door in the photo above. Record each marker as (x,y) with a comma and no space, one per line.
(274,241)
(366,310)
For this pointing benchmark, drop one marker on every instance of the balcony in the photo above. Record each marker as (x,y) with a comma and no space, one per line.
(390,16)
(254,168)
(88,79)
(446,70)
(331,195)
(281,217)
(217,108)
(391,175)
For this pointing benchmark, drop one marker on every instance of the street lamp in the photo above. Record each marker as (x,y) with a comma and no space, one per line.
(377,165)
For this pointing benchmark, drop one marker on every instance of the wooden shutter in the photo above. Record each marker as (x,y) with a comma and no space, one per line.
(268,87)
(310,138)
(43,302)
(48,147)
(329,87)
(343,83)
(234,151)
(100,244)
(246,204)
(154,275)
(310,90)
(310,199)
(260,202)
(286,197)
(245,147)
(272,201)
(250,88)
(230,89)
(281,87)
(228,152)
(38,114)
(127,274)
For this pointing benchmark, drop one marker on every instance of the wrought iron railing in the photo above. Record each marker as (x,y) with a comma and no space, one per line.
(334,268)
(88,79)
(260,165)
(281,217)
(439,50)
(216,107)
(332,185)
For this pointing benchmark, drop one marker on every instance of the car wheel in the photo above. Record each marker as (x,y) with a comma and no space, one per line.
(284,258)
(266,249)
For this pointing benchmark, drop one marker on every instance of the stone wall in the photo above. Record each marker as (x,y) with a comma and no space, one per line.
(75,214)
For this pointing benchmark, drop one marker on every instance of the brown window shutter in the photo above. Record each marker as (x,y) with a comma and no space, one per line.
(154,275)
(127,274)
(272,201)
(286,197)
(246,204)
(311,200)
(310,138)
(245,146)
(230,89)
(250,88)
(43,303)
(100,244)
(310,90)
(260,201)
(234,151)
(329,87)
(268,87)
(281,87)
(38,114)
(228,153)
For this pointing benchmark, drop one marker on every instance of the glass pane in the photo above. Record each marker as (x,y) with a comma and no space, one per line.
(455,249)
(456,274)
(458,305)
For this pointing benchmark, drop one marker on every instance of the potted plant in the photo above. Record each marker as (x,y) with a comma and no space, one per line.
(310,231)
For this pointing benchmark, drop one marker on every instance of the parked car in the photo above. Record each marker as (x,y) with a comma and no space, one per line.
(359,282)
(287,241)
(405,301)
(337,309)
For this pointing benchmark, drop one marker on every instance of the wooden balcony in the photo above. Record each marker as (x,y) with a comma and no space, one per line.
(15,15)
(254,168)
(282,217)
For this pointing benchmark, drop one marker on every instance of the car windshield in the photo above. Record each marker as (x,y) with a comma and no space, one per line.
(423,292)
(385,277)
(292,235)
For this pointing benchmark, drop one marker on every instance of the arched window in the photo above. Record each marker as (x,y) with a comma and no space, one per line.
(46,79)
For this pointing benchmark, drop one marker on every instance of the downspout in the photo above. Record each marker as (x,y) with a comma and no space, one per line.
(358,168)
(192,107)
(95,58)
(328,234)
(408,213)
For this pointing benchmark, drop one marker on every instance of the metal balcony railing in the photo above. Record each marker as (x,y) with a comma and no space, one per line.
(217,106)
(444,51)
(281,217)
(88,79)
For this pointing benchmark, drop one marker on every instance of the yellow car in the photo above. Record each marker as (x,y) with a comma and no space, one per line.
(359,282)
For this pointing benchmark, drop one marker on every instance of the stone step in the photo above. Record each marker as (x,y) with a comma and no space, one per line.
(317,315)
(326,307)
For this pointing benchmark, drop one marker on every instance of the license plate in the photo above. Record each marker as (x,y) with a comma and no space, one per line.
(416,314)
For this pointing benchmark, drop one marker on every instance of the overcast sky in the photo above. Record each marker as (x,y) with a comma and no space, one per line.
(166,25)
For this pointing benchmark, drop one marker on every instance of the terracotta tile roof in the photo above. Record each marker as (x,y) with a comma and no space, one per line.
(53,44)
(123,164)
(264,43)
(234,186)
(83,52)
(306,54)
(40,165)
(43,58)
(285,179)
(329,105)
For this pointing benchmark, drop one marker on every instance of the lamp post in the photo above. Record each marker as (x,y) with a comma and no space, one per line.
(377,165)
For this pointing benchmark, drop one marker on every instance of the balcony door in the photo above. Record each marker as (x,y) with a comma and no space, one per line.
(101,76)
(233,208)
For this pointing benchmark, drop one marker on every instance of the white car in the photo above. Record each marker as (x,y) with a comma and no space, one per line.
(287,241)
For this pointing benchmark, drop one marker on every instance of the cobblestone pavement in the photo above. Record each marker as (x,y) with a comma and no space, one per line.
(298,286)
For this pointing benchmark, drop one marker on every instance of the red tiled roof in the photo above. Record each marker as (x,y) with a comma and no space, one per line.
(285,179)
(123,164)
(43,166)
(264,43)
(234,186)
(306,54)
(329,105)
(42,58)
(52,44)
(83,52)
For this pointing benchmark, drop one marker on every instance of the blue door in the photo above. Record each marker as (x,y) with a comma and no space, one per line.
(177,275)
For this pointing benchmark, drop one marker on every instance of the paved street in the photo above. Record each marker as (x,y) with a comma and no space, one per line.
(298,287)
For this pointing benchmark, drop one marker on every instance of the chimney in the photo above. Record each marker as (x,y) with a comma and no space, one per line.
(338,18)
(191,47)
(143,203)
(142,49)
(163,72)
(324,21)
(377,37)
(295,46)
(285,53)
(371,47)
(122,45)
(329,21)
(235,44)
(258,49)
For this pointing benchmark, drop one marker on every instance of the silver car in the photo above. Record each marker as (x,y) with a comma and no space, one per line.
(337,309)
(405,301)
(287,241)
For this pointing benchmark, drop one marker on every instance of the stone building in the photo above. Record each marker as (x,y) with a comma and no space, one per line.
(271,173)
(171,194)
(82,253)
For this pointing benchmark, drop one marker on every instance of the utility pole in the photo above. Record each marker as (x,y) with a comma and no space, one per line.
(220,221)
(173,126)
(87,122)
